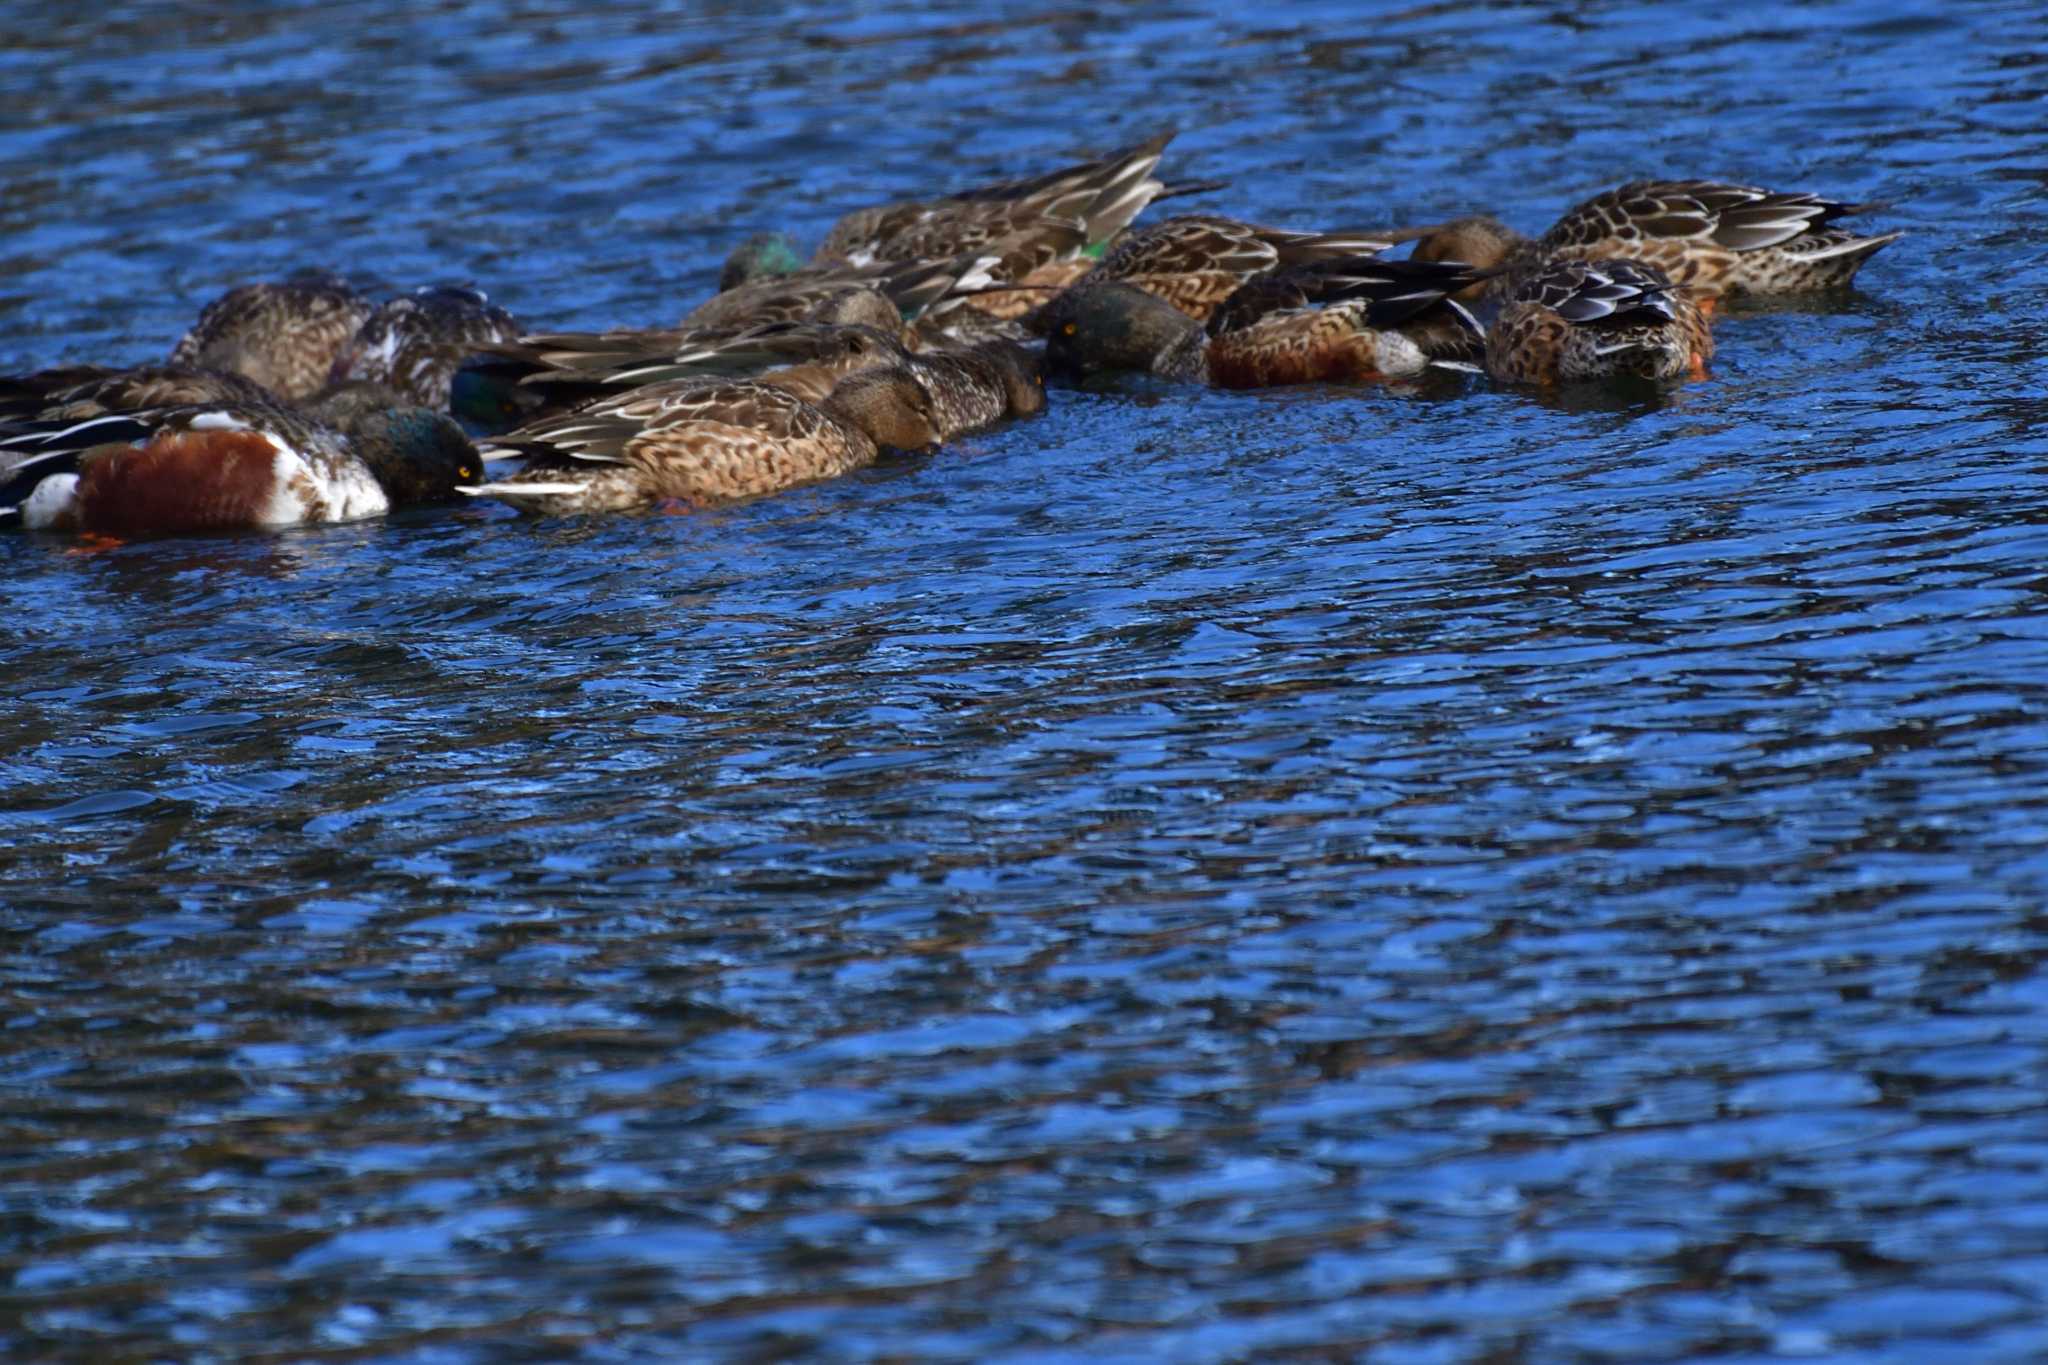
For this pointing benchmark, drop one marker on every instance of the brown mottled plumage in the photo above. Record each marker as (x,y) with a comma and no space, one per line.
(1035,234)
(1099,198)
(878,295)
(714,443)
(1709,237)
(1581,320)
(556,372)
(1196,261)
(285,336)
(81,391)
(632,373)
(415,343)
(977,386)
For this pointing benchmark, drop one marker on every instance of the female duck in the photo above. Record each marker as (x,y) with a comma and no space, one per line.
(1710,237)
(1196,261)
(707,443)
(286,336)
(1578,320)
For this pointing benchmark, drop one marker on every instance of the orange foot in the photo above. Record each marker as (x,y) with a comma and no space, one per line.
(93,542)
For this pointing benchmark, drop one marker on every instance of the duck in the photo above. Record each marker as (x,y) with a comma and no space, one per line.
(1573,320)
(546,374)
(285,335)
(1196,261)
(1358,318)
(230,466)
(1712,237)
(626,358)
(1100,196)
(972,387)
(703,444)
(1018,241)
(975,387)
(75,392)
(416,342)
(879,295)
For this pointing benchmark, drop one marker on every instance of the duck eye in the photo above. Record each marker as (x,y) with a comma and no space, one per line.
(1069,329)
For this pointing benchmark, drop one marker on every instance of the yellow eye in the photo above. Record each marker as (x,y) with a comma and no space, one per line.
(1069,329)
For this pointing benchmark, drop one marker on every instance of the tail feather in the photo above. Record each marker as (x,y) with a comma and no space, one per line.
(1178,189)
(1129,188)
(1854,248)
(23,477)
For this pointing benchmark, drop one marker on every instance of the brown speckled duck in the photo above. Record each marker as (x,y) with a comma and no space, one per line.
(1574,320)
(1712,238)
(713,443)
(971,387)
(877,295)
(1014,243)
(1196,261)
(416,342)
(1102,197)
(286,335)
(76,392)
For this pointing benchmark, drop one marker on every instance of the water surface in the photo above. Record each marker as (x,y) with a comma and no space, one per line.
(1406,877)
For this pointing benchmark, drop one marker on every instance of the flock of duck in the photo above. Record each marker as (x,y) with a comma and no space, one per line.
(912,323)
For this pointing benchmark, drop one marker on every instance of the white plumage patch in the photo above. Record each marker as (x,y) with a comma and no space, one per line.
(978,276)
(1397,354)
(327,486)
(51,502)
(520,490)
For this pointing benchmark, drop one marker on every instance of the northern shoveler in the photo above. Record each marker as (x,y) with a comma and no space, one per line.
(230,466)
(1575,320)
(971,387)
(416,342)
(285,336)
(547,374)
(1013,243)
(1355,319)
(712,443)
(1101,197)
(1196,261)
(1709,237)
(885,295)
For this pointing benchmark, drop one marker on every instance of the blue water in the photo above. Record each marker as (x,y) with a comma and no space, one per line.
(1392,876)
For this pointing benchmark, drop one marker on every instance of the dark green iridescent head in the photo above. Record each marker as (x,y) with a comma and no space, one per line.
(760,256)
(1106,328)
(487,398)
(418,454)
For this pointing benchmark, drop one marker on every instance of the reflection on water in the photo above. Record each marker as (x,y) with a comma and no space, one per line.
(1404,876)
